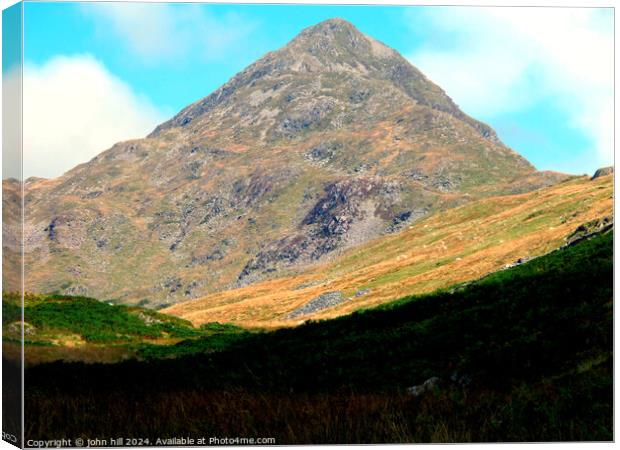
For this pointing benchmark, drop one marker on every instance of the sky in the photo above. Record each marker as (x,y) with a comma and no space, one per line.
(98,73)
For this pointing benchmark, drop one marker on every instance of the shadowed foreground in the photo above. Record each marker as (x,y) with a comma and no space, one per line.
(524,354)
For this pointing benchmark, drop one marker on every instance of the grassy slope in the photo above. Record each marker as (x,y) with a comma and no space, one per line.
(90,319)
(530,349)
(449,247)
(60,327)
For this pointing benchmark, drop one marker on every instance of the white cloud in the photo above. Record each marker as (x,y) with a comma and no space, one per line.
(74,108)
(502,60)
(11,124)
(164,32)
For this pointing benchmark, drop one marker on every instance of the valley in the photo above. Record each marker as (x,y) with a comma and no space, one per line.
(443,252)
(524,355)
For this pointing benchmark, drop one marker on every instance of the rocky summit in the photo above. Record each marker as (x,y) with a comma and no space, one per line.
(322,145)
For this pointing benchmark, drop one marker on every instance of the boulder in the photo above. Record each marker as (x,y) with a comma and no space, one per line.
(420,389)
(602,172)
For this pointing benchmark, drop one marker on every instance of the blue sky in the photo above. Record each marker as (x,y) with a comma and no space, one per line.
(11,27)
(543,78)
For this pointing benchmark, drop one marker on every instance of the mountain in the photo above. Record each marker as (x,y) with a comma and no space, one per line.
(320,146)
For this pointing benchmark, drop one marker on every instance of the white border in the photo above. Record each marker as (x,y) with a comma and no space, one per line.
(497,3)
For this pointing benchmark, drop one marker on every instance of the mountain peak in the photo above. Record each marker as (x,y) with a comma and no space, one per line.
(333,23)
(336,37)
(331,26)
(333,61)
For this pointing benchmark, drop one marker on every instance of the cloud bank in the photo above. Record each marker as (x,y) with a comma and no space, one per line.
(161,32)
(11,123)
(74,108)
(497,61)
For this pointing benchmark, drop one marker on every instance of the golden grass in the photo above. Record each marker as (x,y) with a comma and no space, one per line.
(450,247)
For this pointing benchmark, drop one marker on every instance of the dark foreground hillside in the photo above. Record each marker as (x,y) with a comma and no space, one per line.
(522,355)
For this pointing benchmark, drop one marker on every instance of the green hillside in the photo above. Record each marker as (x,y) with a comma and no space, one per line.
(59,316)
(61,327)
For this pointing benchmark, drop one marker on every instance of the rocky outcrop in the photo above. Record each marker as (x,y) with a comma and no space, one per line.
(319,303)
(589,229)
(340,206)
(603,171)
(281,253)
(349,211)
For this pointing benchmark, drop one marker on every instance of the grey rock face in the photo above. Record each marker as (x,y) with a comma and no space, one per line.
(589,229)
(602,172)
